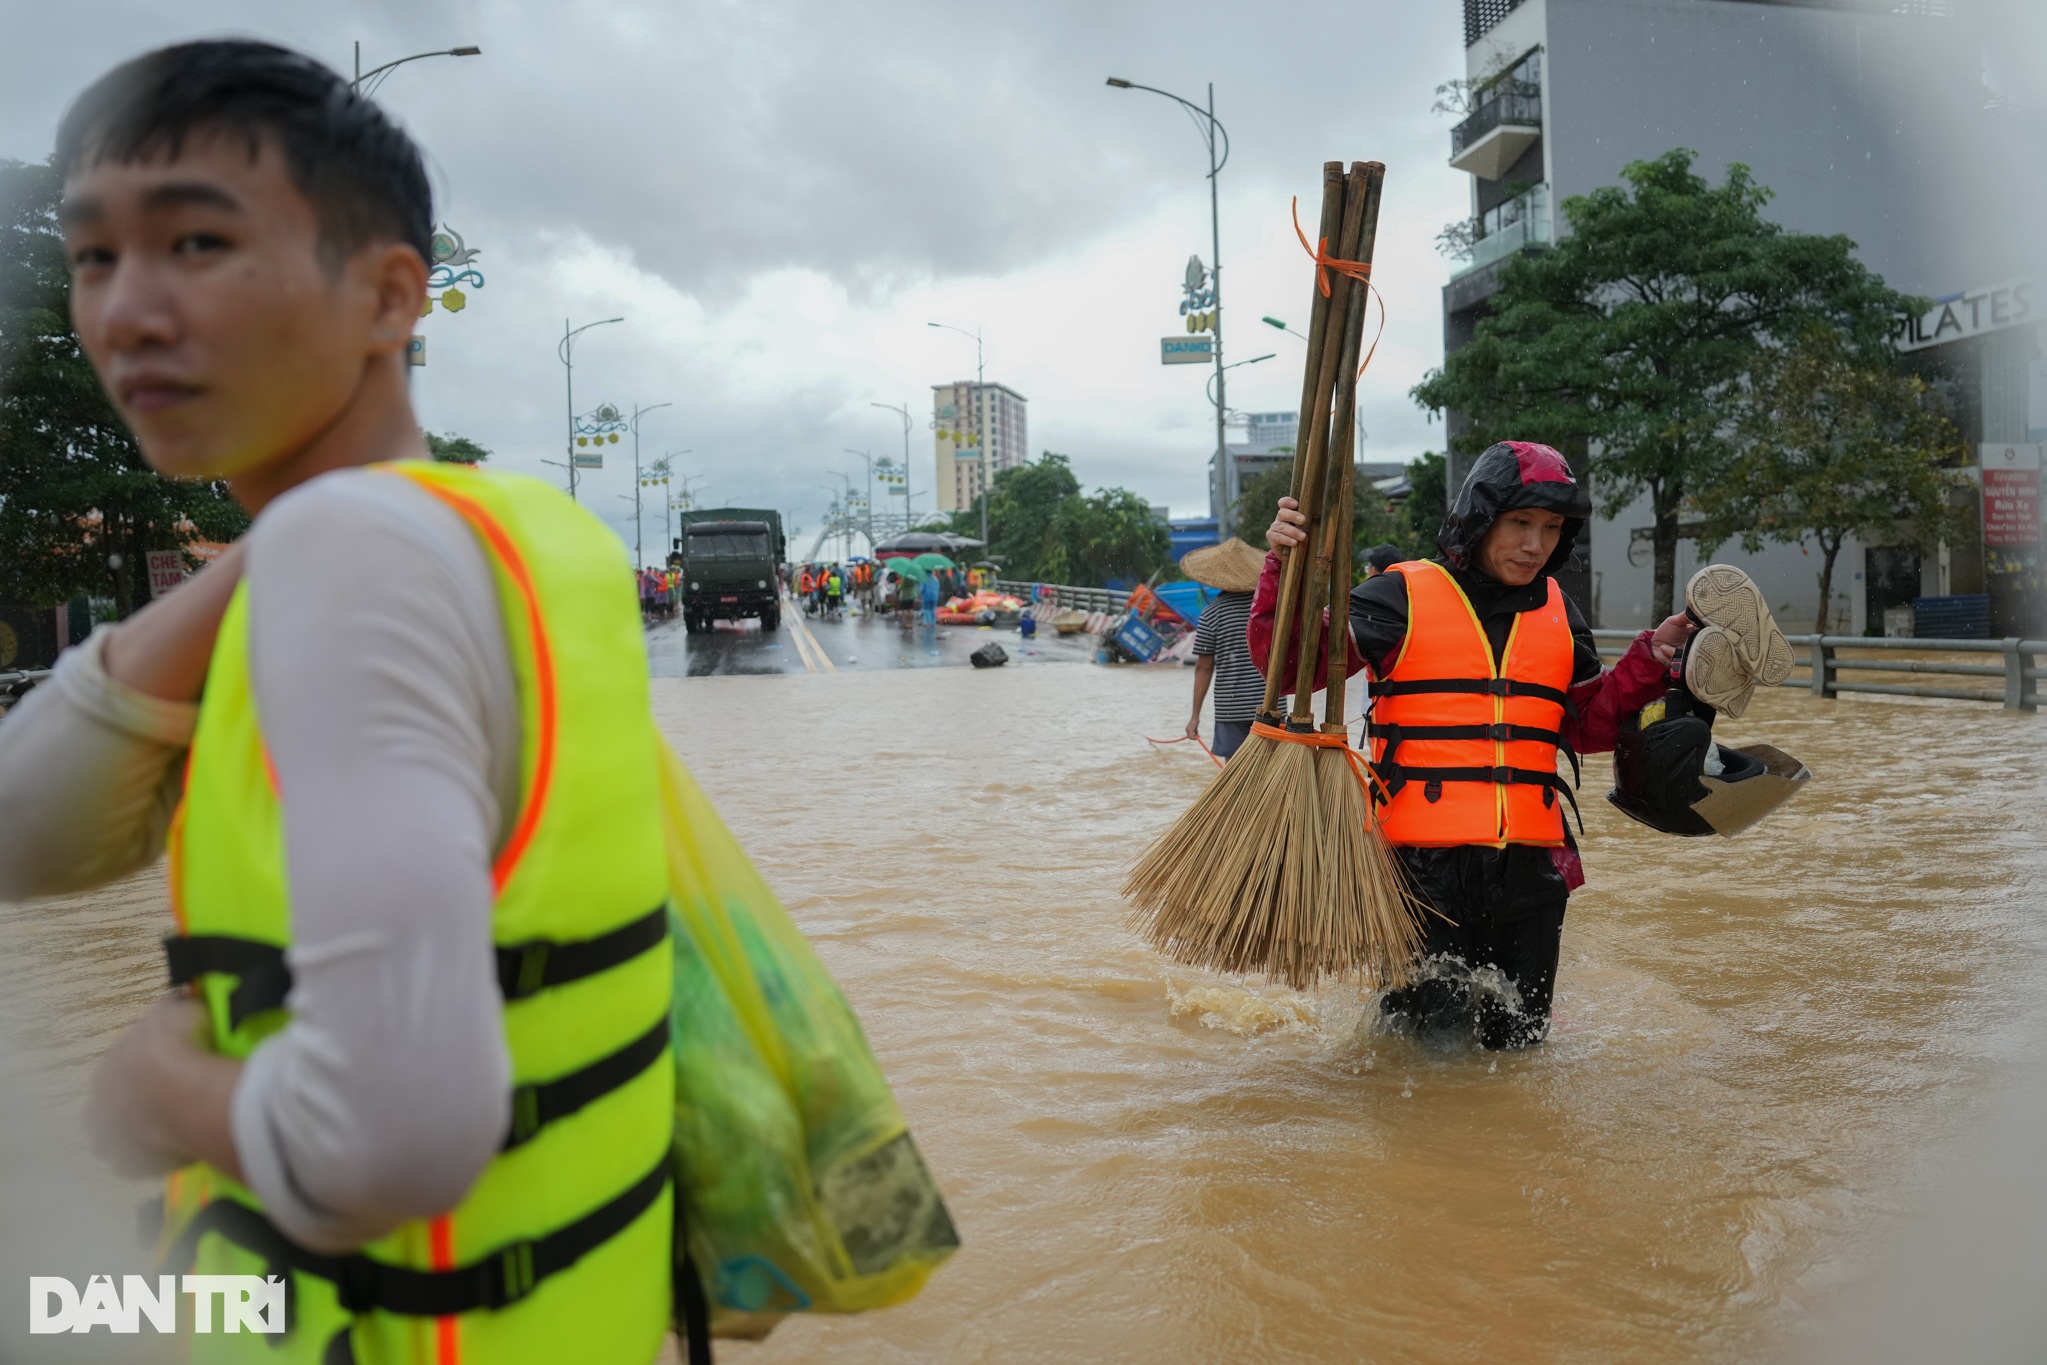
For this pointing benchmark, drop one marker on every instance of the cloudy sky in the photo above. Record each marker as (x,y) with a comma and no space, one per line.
(780,195)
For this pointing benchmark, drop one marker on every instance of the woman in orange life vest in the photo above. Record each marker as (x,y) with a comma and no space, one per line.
(1481,669)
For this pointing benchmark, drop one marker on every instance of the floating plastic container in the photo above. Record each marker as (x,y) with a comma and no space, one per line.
(1135,640)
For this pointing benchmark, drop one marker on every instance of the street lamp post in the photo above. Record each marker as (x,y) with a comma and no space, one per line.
(639,557)
(903,411)
(376,71)
(980,391)
(1218,139)
(567,352)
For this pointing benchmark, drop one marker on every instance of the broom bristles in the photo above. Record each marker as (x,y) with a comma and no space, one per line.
(1275,870)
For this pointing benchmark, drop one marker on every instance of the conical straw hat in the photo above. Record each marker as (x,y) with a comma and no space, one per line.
(1231,566)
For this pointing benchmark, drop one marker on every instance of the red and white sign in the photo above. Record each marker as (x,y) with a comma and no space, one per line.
(2011,494)
(166,571)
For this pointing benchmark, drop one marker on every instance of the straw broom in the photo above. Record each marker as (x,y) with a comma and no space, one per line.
(1365,919)
(1208,863)
(1265,873)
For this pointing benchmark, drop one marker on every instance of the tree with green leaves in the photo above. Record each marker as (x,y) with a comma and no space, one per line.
(448,448)
(1829,447)
(1043,529)
(1428,501)
(1375,520)
(79,509)
(1634,334)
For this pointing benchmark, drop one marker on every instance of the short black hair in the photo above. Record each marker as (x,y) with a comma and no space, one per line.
(1383,557)
(361,171)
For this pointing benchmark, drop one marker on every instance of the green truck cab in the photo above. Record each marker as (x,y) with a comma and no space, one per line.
(729,558)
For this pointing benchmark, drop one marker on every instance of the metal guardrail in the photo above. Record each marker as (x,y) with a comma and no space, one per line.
(1509,104)
(1066,595)
(2018,665)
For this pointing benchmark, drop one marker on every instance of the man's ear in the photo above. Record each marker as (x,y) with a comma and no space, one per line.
(398,276)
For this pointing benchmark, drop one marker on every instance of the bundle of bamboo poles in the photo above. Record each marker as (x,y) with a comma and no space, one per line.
(1278,868)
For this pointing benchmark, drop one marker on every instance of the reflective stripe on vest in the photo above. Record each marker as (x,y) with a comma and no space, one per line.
(1467,752)
(561,1248)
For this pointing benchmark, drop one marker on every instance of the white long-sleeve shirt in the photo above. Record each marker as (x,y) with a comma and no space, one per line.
(381,675)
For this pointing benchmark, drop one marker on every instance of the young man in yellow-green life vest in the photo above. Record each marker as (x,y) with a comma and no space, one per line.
(397,744)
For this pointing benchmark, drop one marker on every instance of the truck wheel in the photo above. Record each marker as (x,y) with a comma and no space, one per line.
(770,620)
(690,626)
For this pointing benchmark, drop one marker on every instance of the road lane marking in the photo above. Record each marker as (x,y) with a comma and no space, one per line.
(803,633)
(802,649)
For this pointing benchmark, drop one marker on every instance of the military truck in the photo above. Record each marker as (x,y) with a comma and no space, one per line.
(729,558)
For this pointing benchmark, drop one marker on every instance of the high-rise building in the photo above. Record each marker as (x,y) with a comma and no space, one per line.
(1869,118)
(980,430)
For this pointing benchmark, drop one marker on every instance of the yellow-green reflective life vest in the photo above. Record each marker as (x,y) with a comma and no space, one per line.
(561,1249)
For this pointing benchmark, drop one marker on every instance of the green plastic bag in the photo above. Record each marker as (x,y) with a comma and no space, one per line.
(803,1191)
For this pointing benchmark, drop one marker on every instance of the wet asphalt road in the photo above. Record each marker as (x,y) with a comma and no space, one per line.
(806,644)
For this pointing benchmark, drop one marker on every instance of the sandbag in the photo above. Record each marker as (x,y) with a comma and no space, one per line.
(802,1189)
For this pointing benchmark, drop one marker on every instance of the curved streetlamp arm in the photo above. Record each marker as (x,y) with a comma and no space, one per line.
(567,342)
(1191,108)
(376,71)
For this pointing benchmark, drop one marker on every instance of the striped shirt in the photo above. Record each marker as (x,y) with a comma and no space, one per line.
(1239,688)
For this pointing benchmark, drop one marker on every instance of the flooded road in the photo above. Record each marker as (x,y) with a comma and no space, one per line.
(1764,1046)
(810,644)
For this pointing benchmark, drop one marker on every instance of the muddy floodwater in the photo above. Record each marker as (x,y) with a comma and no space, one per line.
(1763,1047)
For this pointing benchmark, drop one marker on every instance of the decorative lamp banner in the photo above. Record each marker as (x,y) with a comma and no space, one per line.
(588,459)
(2011,494)
(1186,350)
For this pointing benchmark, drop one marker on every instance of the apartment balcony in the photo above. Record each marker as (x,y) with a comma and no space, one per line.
(1516,225)
(1505,124)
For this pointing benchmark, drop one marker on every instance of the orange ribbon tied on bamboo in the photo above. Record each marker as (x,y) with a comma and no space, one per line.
(1361,271)
(1360,766)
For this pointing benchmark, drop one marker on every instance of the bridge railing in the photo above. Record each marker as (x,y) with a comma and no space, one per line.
(2016,664)
(1066,595)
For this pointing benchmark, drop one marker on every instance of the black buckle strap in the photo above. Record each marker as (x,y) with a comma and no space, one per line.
(528,968)
(1480,687)
(264,978)
(1394,776)
(496,1281)
(1503,731)
(536,1106)
(523,969)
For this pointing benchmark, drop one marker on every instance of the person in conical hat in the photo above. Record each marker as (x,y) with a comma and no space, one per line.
(1222,655)
(1481,669)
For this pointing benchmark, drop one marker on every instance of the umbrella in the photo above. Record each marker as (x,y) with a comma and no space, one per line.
(904,568)
(933,561)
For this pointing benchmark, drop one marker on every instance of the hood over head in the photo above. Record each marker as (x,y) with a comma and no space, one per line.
(1511,475)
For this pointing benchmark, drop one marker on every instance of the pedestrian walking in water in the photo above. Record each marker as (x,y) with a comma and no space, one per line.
(927,600)
(1481,669)
(405,725)
(834,592)
(1222,653)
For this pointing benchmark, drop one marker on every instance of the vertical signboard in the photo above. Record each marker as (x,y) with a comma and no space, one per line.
(2011,495)
(166,570)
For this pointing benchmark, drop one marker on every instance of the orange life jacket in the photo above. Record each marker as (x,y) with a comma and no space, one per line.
(1468,751)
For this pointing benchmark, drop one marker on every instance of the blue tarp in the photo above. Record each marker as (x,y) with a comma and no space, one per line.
(1186,598)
